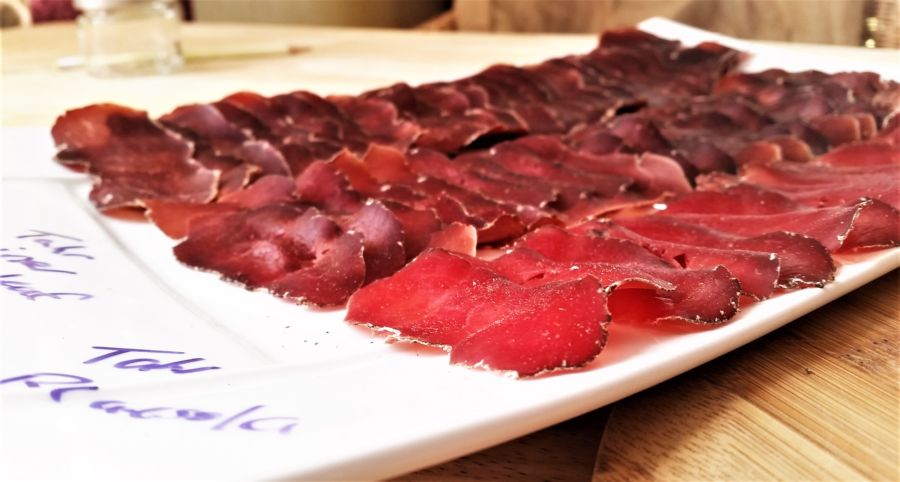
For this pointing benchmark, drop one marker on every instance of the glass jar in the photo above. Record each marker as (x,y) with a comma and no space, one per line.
(129,37)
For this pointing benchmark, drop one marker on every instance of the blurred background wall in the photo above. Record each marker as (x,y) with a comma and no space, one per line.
(357,13)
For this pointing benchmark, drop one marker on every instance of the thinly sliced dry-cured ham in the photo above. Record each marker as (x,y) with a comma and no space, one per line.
(131,157)
(757,272)
(802,261)
(256,246)
(459,302)
(668,291)
(581,168)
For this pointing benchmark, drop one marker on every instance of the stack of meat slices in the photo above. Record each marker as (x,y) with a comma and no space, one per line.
(581,168)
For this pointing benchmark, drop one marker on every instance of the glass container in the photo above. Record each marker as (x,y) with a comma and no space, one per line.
(129,37)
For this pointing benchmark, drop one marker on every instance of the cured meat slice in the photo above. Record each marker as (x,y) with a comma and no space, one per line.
(540,329)
(266,190)
(378,119)
(255,247)
(802,261)
(206,126)
(133,158)
(458,301)
(517,157)
(456,237)
(323,186)
(435,164)
(863,154)
(236,178)
(265,156)
(824,185)
(419,226)
(748,210)
(829,226)
(757,272)
(338,272)
(383,238)
(173,218)
(666,292)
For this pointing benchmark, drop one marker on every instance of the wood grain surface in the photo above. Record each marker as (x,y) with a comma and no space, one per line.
(815,400)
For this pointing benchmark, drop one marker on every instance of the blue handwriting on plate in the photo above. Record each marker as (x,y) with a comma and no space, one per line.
(252,419)
(147,364)
(37,252)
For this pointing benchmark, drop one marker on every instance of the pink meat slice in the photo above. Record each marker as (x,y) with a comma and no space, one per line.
(436,165)
(825,185)
(667,292)
(748,210)
(383,239)
(271,189)
(338,271)
(863,154)
(455,301)
(757,272)
(549,327)
(132,158)
(323,186)
(457,238)
(255,247)
(173,218)
(235,178)
(803,261)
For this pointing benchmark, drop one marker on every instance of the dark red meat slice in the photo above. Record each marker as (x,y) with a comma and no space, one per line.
(206,126)
(419,225)
(323,186)
(803,261)
(132,158)
(383,238)
(757,272)
(263,155)
(863,154)
(668,292)
(458,301)
(824,185)
(435,164)
(548,327)
(235,178)
(829,226)
(257,246)
(456,237)
(338,272)
(748,211)
(265,190)
(173,218)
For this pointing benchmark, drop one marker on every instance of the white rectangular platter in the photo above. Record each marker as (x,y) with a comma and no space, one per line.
(118,363)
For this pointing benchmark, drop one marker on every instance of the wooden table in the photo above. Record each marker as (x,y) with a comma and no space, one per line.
(817,399)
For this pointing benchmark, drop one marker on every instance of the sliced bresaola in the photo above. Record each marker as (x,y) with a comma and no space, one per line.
(271,189)
(255,247)
(655,289)
(338,271)
(829,226)
(435,164)
(131,157)
(488,321)
(323,186)
(173,218)
(457,238)
(383,239)
(863,154)
(825,185)
(749,211)
(757,272)
(802,260)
